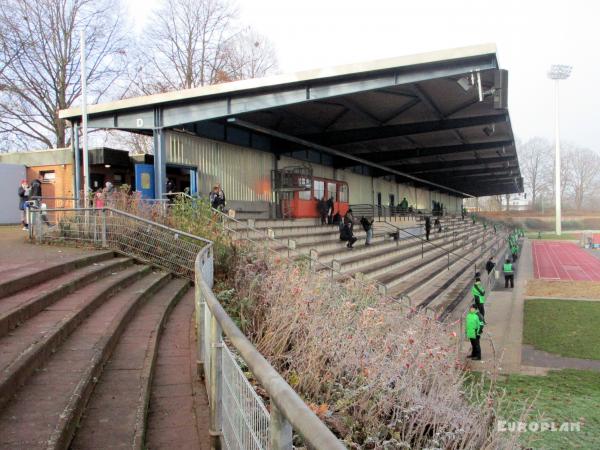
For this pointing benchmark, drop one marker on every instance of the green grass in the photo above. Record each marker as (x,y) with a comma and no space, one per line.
(561,396)
(553,236)
(564,327)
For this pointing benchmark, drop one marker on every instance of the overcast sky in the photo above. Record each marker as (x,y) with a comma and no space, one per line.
(530,35)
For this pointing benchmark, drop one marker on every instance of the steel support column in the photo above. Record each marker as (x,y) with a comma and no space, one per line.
(160,155)
(76,161)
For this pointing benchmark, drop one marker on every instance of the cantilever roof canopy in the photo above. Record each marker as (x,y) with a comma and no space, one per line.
(437,119)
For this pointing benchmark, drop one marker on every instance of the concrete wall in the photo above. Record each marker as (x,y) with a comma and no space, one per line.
(10,180)
(245,175)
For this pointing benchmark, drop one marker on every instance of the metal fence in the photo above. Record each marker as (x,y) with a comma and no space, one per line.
(148,241)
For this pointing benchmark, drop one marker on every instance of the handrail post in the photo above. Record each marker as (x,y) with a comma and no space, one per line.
(216,383)
(281,430)
(103,212)
(200,331)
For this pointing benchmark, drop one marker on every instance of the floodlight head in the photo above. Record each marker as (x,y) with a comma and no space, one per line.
(559,72)
(464,83)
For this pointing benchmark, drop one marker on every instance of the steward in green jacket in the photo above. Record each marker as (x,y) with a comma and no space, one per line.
(509,271)
(473,332)
(478,292)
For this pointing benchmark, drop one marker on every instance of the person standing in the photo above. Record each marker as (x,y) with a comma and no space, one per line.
(473,331)
(368,227)
(437,224)
(509,271)
(322,210)
(478,292)
(347,230)
(36,190)
(489,266)
(404,206)
(23,193)
(217,198)
(427,227)
(330,208)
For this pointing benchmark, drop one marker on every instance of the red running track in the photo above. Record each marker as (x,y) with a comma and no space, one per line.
(564,261)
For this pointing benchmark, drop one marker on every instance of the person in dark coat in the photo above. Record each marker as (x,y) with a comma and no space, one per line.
(346,232)
(23,193)
(427,227)
(36,190)
(489,266)
(438,225)
(323,210)
(330,208)
(368,227)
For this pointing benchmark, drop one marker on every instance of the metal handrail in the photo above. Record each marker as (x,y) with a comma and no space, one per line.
(287,402)
(425,241)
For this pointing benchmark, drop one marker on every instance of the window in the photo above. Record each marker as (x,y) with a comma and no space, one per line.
(48,176)
(304,195)
(331,191)
(319,189)
(343,193)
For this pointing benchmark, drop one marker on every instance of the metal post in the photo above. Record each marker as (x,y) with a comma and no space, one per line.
(280,430)
(200,331)
(558,217)
(160,155)
(76,163)
(86,166)
(103,212)
(216,383)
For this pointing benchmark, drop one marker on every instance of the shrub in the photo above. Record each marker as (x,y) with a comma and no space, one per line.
(374,372)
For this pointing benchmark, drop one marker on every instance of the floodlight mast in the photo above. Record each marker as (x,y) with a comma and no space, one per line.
(557,72)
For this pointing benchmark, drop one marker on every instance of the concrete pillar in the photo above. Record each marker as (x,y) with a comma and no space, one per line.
(76,162)
(160,156)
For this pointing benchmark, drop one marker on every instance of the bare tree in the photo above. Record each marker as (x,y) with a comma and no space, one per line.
(585,172)
(44,77)
(250,55)
(535,158)
(188,40)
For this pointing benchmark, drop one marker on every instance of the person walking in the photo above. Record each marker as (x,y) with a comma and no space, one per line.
(404,206)
(473,327)
(489,266)
(23,193)
(347,230)
(368,227)
(478,292)
(509,272)
(514,249)
(427,227)
(437,224)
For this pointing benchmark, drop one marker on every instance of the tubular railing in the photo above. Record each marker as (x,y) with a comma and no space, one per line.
(424,241)
(157,244)
(238,416)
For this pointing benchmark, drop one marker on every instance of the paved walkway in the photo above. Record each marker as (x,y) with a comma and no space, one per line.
(18,257)
(504,317)
(538,358)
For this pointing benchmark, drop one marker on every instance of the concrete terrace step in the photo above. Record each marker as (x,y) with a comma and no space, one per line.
(389,272)
(176,417)
(45,411)
(15,280)
(394,274)
(29,301)
(116,412)
(388,252)
(28,346)
(438,274)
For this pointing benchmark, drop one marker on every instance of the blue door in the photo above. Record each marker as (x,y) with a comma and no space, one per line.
(144,180)
(193,181)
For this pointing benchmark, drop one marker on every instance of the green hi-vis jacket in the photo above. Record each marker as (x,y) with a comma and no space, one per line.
(478,292)
(508,268)
(472,325)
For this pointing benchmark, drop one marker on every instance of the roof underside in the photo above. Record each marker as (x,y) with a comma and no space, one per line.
(413,121)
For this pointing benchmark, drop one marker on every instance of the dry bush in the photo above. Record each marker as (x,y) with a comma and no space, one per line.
(380,377)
